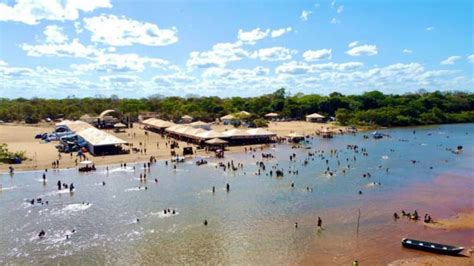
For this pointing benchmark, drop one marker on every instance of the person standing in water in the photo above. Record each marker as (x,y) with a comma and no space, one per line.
(59,184)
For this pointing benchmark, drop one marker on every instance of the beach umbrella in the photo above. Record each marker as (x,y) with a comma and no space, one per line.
(86,162)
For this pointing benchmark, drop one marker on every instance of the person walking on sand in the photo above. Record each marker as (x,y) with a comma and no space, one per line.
(320,223)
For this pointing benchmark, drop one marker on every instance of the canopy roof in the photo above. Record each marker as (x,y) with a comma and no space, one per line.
(186,117)
(272,115)
(210,134)
(235,133)
(199,123)
(157,123)
(98,137)
(260,132)
(315,115)
(216,141)
(92,135)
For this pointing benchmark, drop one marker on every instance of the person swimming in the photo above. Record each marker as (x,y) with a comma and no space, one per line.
(41,234)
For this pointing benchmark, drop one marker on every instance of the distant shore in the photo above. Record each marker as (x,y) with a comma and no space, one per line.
(21,137)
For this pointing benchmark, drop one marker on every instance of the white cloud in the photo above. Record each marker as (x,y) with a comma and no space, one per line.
(407,51)
(301,68)
(273,54)
(450,60)
(340,9)
(32,11)
(365,49)
(314,55)
(430,28)
(470,58)
(173,80)
(305,15)
(110,63)
(121,31)
(240,74)
(335,21)
(352,44)
(218,56)
(72,49)
(54,34)
(279,32)
(119,79)
(251,37)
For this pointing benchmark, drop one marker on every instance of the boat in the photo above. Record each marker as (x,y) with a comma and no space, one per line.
(431,247)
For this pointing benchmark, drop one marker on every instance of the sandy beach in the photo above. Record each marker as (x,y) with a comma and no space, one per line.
(20,137)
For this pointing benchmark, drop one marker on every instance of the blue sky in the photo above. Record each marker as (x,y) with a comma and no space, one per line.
(56,49)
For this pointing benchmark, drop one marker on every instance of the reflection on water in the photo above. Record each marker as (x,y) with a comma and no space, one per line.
(124,221)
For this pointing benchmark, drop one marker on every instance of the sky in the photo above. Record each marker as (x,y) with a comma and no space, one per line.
(134,49)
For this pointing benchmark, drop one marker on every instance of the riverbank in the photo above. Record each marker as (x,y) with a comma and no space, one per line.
(20,137)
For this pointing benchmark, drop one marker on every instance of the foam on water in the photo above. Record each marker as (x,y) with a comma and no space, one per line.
(385,157)
(134,189)
(72,208)
(161,214)
(7,188)
(56,192)
(118,170)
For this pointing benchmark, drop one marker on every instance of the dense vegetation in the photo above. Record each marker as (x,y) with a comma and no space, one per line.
(7,156)
(370,108)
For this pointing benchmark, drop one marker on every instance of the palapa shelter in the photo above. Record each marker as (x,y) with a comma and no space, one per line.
(201,124)
(186,119)
(315,118)
(227,119)
(271,116)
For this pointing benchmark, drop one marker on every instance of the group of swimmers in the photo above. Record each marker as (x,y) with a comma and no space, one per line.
(413,216)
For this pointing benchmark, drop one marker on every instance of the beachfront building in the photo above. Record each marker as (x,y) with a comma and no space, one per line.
(238,136)
(315,118)
(186,119)
(156,125)
(96,141)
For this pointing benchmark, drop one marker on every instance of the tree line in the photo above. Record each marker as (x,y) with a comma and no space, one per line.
(369,108)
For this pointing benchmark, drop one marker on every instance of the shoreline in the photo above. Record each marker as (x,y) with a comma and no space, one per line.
(20,137)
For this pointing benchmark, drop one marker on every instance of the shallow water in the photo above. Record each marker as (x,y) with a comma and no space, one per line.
(254,222)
